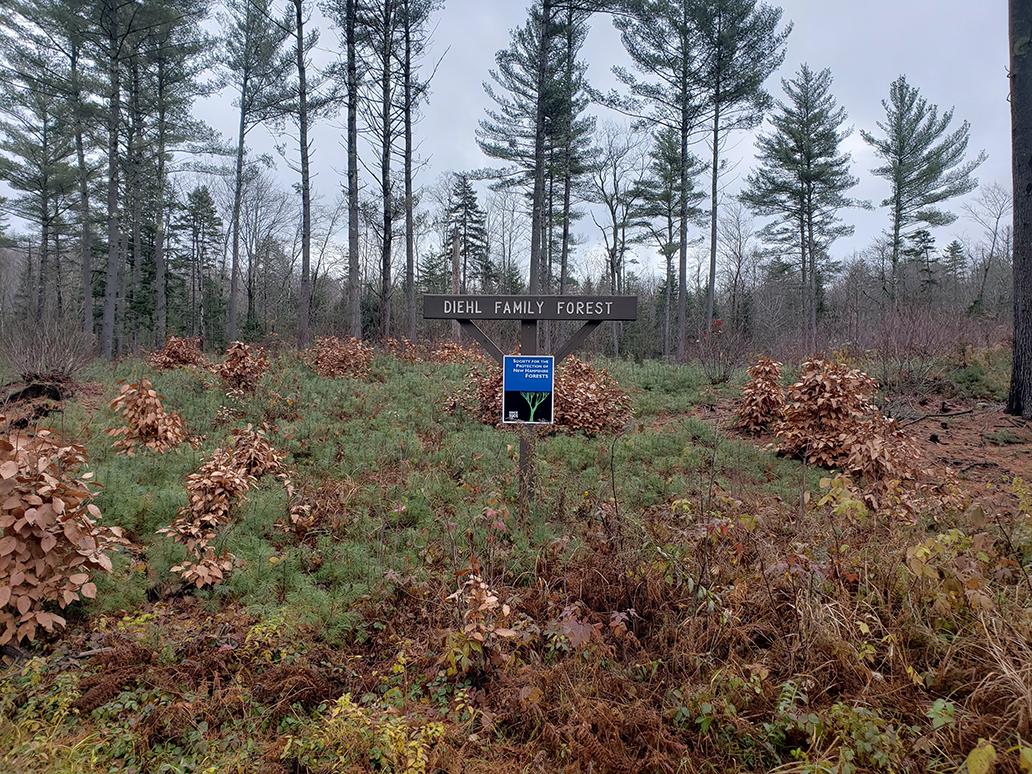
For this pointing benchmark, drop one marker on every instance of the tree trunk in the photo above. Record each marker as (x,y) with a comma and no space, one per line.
(811,249)
(1019,401)
(711,285)
(44,260)
(107,330)
(354,277)
(386,137)
(82,173)
(804,269)
(682,258)
(134,154)
(59,294)
(538,202)
(304,313)
(456,329)
(160,270)
(238,186)
(410,240)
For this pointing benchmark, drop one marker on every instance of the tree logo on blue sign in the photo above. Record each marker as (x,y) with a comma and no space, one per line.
(527,382)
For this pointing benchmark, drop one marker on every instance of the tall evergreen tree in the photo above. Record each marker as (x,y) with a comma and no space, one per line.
(740,46)
(176,61)
(924,164)
(344,14)
(62,28)
(802,180)
(197,242)
(415,20)
(380,49)
(537,125)
(467,220)
(257,68)
(660,208)
(36,149)
(662,40)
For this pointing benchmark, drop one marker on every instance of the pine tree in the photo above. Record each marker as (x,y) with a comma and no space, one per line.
(954,263)
(415,19)
(61,27)
(537,126)
(37,148)
(344,14)
(176,60)
(569,133)
(257,67)
(662,40)
(300,100)
(924,164)
(660,195)
(919,250)
(802,180)
(197,242)
(740,46)
(435,271)
(380,51)
(468,221)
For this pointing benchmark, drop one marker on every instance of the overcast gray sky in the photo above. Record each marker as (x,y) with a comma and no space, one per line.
(955,51)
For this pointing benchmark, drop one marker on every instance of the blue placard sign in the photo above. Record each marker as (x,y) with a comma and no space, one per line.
(527,382)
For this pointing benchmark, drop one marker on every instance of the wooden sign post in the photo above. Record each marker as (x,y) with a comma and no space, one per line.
(529,310)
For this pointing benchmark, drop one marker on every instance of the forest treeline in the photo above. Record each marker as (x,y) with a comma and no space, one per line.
(129,219)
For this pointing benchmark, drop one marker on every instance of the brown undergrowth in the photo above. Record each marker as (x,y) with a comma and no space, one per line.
(742,643)
(51,541)
(146,421)
(178,352)
(739,637)
(334,358)
(242,367)
(213,491)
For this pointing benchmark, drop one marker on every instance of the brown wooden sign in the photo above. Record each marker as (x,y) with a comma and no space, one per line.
(529,310)
(601,308)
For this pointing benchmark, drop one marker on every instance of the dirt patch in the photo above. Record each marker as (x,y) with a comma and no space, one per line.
(978,440)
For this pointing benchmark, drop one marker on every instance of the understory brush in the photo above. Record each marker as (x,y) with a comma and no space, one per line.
(677,599)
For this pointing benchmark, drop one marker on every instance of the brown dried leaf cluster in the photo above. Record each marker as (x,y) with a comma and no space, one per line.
(178,353)
(406,350)
(335,358)
(450,352)
(213,490)
(51,541)
(147,423)
(762,401)
(257,457)
(830,419)
(243,366)
(587,399)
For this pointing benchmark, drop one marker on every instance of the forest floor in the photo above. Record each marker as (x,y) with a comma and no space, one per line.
(679,598)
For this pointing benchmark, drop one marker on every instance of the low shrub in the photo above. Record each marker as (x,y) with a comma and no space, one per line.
(334,358)
(51,539)
(213,491)
(450,352)
(147,422)
(763,401)
(178,353)
(48,351)
(243,366)
(830,419)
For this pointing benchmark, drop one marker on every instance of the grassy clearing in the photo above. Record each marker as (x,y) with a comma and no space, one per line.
(681,600)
